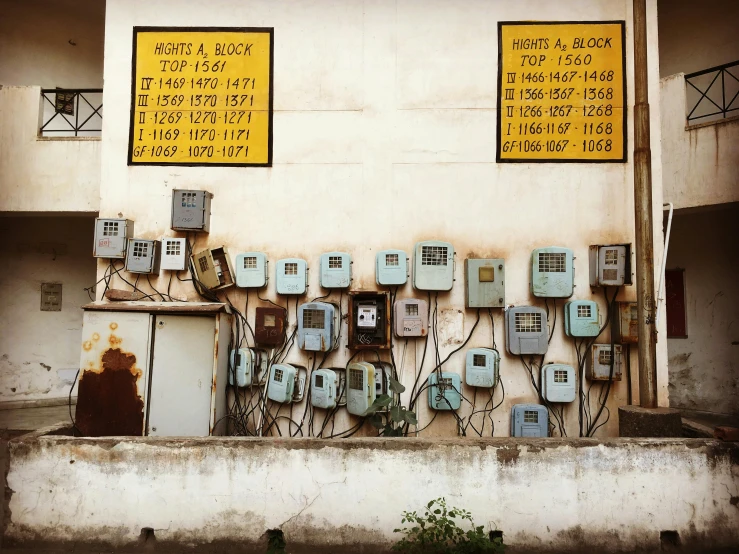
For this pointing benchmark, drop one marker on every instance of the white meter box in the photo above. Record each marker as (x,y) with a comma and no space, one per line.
(529,420)
(291,276)
(111,236)
(411,318)
(324,383)
(173,254)
(484,283)
(558,383)
(318,326)
(433,265)
(610,266)
(251,270)
(142,256)
(391,267)
(191,210)
(336,270)
(481,367)
(527,331)
(361,392)
(582,318)
(552,272)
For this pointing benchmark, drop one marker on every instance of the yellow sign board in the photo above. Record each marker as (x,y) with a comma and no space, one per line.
(201,96)
(561,92)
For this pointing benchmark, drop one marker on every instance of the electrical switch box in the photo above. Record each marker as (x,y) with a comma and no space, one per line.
(433,265)
(527,331)
(558,383)
(336,270)
(481,367)
(191,210)
(361,387)
(598,367)
(444,392)
(241,367)
(318,326)
(369,320)
(610,266)
(582,318)
(173,254)
(111,238)
(391,267)
(552,272)
(627,323)
(286,383)
(142,256)
(484,283)
(529,420)
(323,385)
(291,276)
(383,373)
(212,268)
(269,326)
(251,270)
(411,318)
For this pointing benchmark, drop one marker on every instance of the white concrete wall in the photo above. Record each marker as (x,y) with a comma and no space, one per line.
(52,43)
(39,351)
(701,163)
(390,113)
(545,495)
(42,174)
(704,371)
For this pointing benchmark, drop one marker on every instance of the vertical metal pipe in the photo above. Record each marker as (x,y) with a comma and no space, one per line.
(643,215)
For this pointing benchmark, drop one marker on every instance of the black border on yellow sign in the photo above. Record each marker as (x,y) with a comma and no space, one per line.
(137,30)
(625,157)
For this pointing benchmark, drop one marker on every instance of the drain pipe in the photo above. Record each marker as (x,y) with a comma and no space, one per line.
(661,290)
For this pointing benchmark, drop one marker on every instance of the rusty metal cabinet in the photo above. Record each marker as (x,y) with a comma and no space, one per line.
(150,368)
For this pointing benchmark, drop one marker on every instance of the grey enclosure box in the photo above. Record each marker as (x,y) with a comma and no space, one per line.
(610,266)
(191,210)
(627,323)
(111,236)
(529,420)
(484,281)
(142,256)
(599,362)
(527,331)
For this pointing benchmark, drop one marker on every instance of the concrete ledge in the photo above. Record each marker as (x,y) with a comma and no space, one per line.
(547,495)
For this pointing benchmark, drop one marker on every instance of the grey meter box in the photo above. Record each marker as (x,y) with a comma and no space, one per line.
(484,281)
(529,420)
(143,255)
(111,236)
(191,210)
(527,331)
(599,363)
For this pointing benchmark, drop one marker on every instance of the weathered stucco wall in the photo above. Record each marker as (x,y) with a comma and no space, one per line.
(384,135)
(704,371)
(545,495)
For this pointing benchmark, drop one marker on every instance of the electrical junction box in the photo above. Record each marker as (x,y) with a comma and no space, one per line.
(336,270)
(391,267)
(527,331)
(369,320)
(557,383)
(291,276)
(142,256)
(318,326)
(111,238)
(627,323)
(286,383)
(484,283)
(213,268)
(552,272)
(481,367)
(582,318)
(433,265)
(411,318)
(173,254)
(341,386)
(269,326)
(191,210)
(444,393)
(529,420)
(360,392)
(383,373)
(251,270)
(598,367)
(323,384)
(610,266)
(249,365)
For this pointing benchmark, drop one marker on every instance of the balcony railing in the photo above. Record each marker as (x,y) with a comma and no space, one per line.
(72,112)
(711,94)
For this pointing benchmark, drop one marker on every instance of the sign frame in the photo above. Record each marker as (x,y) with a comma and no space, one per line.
(498,145)
(160,29)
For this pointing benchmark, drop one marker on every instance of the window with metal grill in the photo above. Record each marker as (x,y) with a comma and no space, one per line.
(604,357)
(250,262)
(528,323)
(279,374)
(203,262)
(291,268)
(479,360)
(319,381)
(434,255)
(560,376)
(530,416)
(552,262)
(411,309)
(173,248)
(313,319)
(391,260)
(140,249)
(583,311)
(188,199)
(335,262)
(611,257)
(355,379)
(110,228)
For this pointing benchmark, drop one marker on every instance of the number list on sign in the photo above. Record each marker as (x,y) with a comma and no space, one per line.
(561,92)
(201,97)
